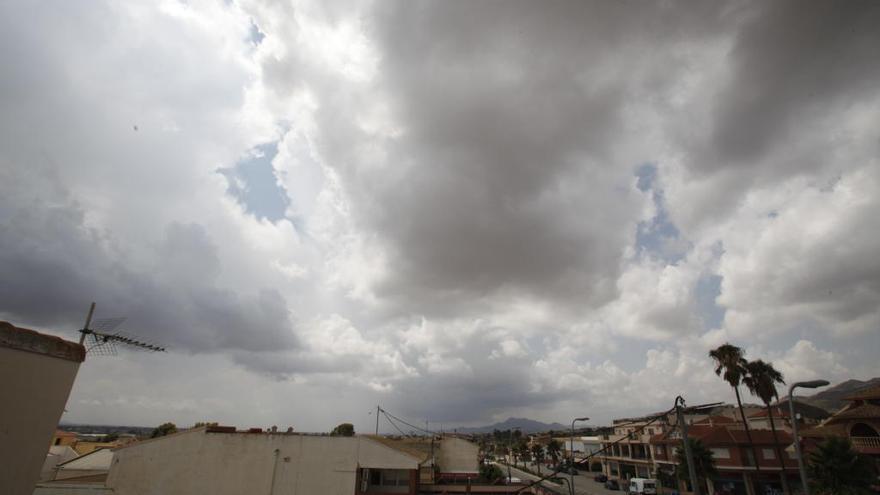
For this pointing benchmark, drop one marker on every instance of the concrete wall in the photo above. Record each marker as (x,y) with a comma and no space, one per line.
(233,463)
(37,374)
(57,455)
(458,455)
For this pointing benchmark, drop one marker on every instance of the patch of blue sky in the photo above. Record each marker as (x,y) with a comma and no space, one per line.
(706,291)
(253,183)
(256,35)
(659,237)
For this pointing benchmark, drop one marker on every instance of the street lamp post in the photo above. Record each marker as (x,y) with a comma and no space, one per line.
(571,464)
(797,441)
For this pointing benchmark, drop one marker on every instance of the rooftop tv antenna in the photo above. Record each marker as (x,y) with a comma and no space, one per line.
(101,338)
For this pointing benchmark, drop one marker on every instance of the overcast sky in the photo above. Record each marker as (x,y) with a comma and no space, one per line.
(462,211)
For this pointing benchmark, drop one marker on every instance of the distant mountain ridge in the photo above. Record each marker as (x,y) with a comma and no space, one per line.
(831,399)
(524,424)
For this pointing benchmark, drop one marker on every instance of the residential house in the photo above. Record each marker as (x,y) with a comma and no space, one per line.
(642,448)
(859,421)
(627,451)
(734,459)
(64,438)
(221,460)
(807,416)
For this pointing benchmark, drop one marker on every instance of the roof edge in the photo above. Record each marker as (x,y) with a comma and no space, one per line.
(27,340)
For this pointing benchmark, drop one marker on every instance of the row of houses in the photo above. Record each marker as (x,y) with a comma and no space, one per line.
(645,447)
(222,460)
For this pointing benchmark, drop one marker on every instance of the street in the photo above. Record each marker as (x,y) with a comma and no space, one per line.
(583,482)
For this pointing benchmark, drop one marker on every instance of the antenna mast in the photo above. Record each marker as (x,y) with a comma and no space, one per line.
(102,341)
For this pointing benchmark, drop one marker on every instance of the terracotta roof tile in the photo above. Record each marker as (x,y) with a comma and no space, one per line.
(864,411)
(867,394)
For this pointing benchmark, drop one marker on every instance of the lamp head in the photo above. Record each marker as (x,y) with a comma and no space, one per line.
(813,384)
(582,419)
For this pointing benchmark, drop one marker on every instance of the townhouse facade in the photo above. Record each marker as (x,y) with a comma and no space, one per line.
(859,421)
(647,449)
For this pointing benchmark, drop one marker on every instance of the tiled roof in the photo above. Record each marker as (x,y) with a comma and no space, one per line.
(716,419)
(420,449)
(867,394)
(838,430)
(864,411)
(27,340)
(778,412)
(722,435)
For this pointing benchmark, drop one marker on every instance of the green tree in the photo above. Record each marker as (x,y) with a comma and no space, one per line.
(554,449)
(343,430)
(521,450)
(490,472)
(836,469)
(110,437)
(761,379)
(704,462)
(730,365)
(538,455)
(164,429)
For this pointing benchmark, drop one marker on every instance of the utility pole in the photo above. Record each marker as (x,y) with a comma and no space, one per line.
(377,419)
(682,425)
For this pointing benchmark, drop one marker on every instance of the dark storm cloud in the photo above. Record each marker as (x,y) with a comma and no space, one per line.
(512,118)
(54,265)
(794,64)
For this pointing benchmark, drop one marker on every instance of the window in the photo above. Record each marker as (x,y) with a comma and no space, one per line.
(768,454)
(720,453)
(394,477)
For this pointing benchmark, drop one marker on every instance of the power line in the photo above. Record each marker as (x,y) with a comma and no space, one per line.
(409,424)
(393,423)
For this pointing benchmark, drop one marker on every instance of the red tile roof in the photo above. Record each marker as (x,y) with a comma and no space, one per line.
(867,394)
(864,411)
(838,430)
(722,435)
(778,412)
(717,419)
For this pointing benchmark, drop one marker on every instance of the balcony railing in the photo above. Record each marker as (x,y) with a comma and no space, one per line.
(866,442)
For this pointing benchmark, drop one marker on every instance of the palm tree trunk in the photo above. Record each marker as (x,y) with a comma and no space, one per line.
(784,479)
(748,430)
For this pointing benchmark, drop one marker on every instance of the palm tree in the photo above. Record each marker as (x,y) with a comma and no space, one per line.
(553,450)
(731,366)
(538,455)
(704,462)
(835,468)
(761,379)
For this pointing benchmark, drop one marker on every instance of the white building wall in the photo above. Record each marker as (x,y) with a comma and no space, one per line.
(458,456)
(236,463)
